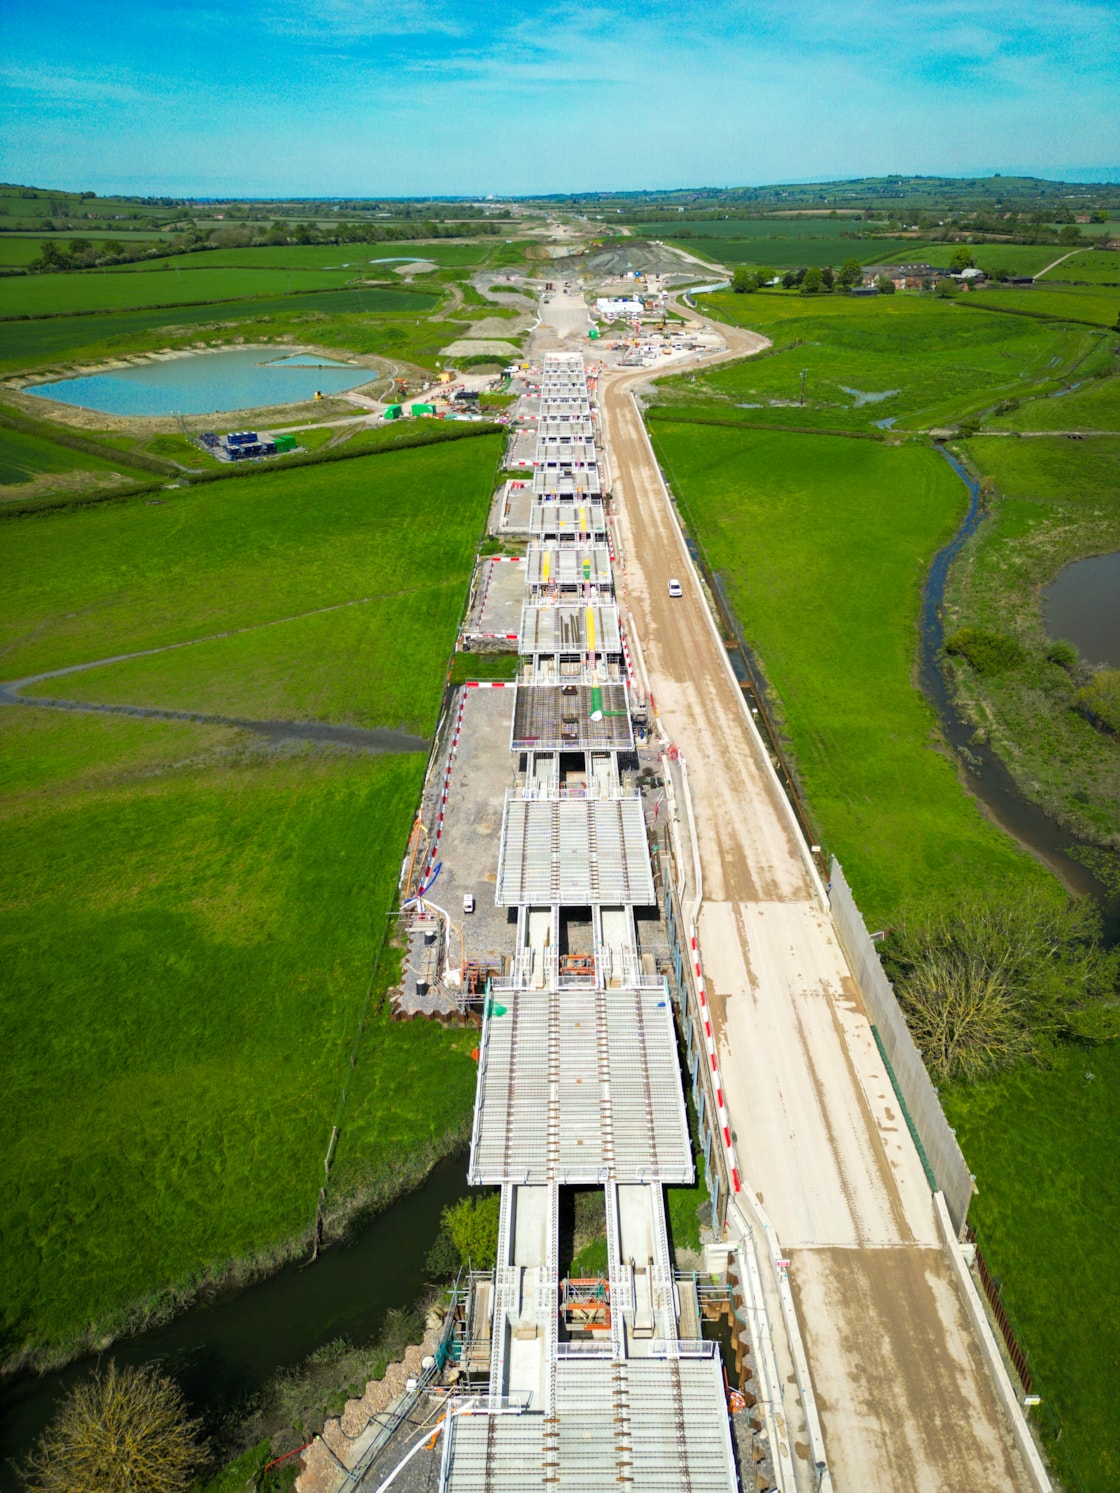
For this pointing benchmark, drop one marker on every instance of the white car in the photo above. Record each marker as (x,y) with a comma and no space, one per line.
(675,588)
(468,903)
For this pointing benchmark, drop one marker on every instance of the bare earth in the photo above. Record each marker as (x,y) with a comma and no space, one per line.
(905,1402)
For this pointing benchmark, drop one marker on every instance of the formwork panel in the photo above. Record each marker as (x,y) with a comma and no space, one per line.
(574,565)
(611,1097)
(574,852)
(569,627)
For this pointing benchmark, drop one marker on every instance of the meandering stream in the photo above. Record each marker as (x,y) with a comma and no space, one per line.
(230,1345)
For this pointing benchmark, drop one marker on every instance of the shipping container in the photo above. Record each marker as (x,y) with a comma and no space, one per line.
(286,443)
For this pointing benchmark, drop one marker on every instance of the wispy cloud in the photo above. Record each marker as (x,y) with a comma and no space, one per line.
(55,85)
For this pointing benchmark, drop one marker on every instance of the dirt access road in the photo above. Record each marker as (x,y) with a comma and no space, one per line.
(904,1397)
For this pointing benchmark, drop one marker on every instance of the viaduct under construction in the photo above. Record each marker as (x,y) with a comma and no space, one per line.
(556,888)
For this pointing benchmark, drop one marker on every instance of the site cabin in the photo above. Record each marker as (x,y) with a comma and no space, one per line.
(392,412)
(423,409)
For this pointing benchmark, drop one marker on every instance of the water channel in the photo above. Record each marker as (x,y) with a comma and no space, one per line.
(208,382)
(988,778)
(230,1345)
(1082,604)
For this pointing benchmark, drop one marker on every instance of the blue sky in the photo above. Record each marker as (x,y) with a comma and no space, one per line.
(352,97)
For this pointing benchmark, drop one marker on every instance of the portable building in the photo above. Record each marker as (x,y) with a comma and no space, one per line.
(423,409)
(393,412)
(286,443)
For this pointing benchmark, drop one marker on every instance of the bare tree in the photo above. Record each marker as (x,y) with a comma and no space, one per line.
(121,1430)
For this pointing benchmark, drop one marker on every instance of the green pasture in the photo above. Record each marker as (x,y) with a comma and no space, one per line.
(1094,406)
(241,553)
(1042,1145)
(357,319)
(373,259)
(916,361)
(24,457)
(1090,266)
(1099,305)
(190,916)
(824,544)
(187,951)
(783,229)
(781,250)
(1053,501)
(1016,259)
(127,290)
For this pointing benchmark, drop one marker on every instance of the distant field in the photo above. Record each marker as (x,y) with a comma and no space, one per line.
(914,360)
(760,228)
(26,344)
(781,251)
(1092,267)
(112,290)
(24,457)
(1016,259)
(190,917)
(372,258)
(1070,302)
(824,543)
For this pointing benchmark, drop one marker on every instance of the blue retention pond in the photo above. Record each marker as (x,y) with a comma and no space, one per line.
(208,383)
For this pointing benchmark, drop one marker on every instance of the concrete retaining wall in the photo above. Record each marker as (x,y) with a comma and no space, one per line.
(942,1155)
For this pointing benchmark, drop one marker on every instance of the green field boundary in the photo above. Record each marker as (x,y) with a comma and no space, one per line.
(269,295)
(661,414)
(187,478)
(1076,321)
(88,447)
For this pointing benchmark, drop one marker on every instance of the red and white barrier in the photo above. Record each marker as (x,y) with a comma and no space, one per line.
(717,1081)
(445,790)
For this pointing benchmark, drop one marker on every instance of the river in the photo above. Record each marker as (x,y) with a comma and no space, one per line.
(229,1346)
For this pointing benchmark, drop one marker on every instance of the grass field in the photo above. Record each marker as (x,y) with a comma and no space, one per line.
(1090,266)
(1016,259)
(363,320)
(1099,305)
(1042,1145)
(782,250)
(128,290)
(827,591)
(190,917)
(1095,406)
(374,259)
(1054,502)
(915,361)
(24,457)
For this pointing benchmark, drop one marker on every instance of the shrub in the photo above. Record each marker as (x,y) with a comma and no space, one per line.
(994,981)
(988,652)
(1062,652)
(472,1226)
(1100,699)
(120,1428)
